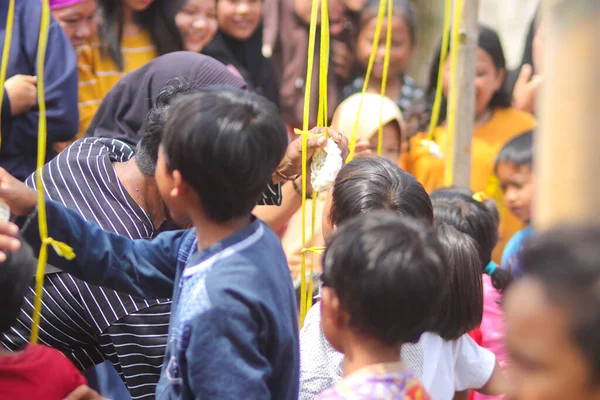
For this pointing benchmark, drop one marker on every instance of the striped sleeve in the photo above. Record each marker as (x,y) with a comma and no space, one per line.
(271,196)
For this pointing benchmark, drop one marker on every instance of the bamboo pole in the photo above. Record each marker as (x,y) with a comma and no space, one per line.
(567,162)
(461,117)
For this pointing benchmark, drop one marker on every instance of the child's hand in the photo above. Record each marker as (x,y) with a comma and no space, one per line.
(19,197)
(525,89)
(22,92)
(8,239)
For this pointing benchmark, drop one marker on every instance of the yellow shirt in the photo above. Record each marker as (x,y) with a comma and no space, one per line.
(488,139)
(98,73)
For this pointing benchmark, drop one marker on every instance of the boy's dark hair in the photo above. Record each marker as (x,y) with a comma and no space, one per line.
(226,143)
(566,260)
(388,273)
(401,8)
(489,41)
(375,183)
(463,310)
(473,218)
(16,274)
(517,151)
(146,151)
(490,204)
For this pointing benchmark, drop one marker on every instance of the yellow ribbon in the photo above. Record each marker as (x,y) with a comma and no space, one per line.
(10,17)
(60,248)
(384,77)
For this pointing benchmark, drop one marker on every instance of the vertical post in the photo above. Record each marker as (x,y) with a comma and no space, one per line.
(461,116)
(567,162)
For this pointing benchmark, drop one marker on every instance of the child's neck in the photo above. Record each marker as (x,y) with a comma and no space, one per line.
(361,352)
(209,232)
(393,87)
(130,26)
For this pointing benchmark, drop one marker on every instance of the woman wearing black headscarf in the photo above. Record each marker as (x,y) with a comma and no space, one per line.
(238,44)
(122,112)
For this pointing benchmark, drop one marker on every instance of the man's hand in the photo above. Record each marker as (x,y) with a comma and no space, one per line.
(20,198)
(22,92)
(291,165)
(526,88)
(84,392)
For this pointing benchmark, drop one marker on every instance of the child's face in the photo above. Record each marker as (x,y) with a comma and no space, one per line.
(78,21)
(400,51)
(197,23)
(517,187)
(488,80)
(239,18)
(332,318)
(545,363)
(391,145)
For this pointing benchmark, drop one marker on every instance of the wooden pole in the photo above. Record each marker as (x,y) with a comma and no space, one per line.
(567,161)
(458,167)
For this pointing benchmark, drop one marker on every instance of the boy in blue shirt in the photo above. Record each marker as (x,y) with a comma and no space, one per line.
(234,327)
(514,169)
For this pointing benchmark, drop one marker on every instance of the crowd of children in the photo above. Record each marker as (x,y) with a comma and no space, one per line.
(171,174)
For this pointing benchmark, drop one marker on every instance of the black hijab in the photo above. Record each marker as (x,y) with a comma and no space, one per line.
(123,110)
(246,56)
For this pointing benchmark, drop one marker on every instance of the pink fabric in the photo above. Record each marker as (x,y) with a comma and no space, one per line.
(492,328)
(62,3)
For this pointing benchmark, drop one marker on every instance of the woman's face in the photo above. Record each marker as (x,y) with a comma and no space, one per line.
(391,145)
(197,23)
(136,5)
(488,80)
(400,50)
(78,21)
(239,18)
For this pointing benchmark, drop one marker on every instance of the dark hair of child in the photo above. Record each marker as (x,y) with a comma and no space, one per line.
(473,218)
(490,204)
(463,310)
(146,151)
(402,8)
(489,41)
(565,261)
(235,138)
(517,151)
(158,19)
(16,274)
(387,272)
(375,183)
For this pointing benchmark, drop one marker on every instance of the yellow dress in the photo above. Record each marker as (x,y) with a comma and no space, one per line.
(488,139)
(98,73)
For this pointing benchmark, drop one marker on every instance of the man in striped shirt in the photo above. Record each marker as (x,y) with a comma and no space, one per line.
(103,181)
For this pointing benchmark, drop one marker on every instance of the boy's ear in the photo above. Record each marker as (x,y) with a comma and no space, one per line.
(179,187)
(331,311)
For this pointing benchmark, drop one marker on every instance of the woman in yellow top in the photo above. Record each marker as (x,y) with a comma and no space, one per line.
(367,139)
(496,122)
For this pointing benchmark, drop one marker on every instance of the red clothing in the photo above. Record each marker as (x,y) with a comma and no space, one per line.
(38,372)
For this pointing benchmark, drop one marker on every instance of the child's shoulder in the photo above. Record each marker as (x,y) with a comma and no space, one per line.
(516,117)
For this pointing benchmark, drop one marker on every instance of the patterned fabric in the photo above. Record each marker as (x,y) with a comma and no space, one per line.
(382,382)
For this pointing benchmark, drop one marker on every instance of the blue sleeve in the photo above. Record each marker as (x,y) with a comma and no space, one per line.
(224,358)
(511,248)
(60,81)
(139,267)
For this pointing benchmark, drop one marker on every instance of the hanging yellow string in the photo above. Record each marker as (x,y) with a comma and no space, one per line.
(60,248)
(437,103)
(384,77)
(309,70)
(10,17)
(449,169)
(380,15)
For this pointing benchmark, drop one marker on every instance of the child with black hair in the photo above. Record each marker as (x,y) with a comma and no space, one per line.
(473,218)
(553,317)
(380,274)
(442,363)
(514,169)
(37,371)
(400,87)
(233,331)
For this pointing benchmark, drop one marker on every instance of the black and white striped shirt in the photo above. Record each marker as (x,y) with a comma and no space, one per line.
(88,323)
